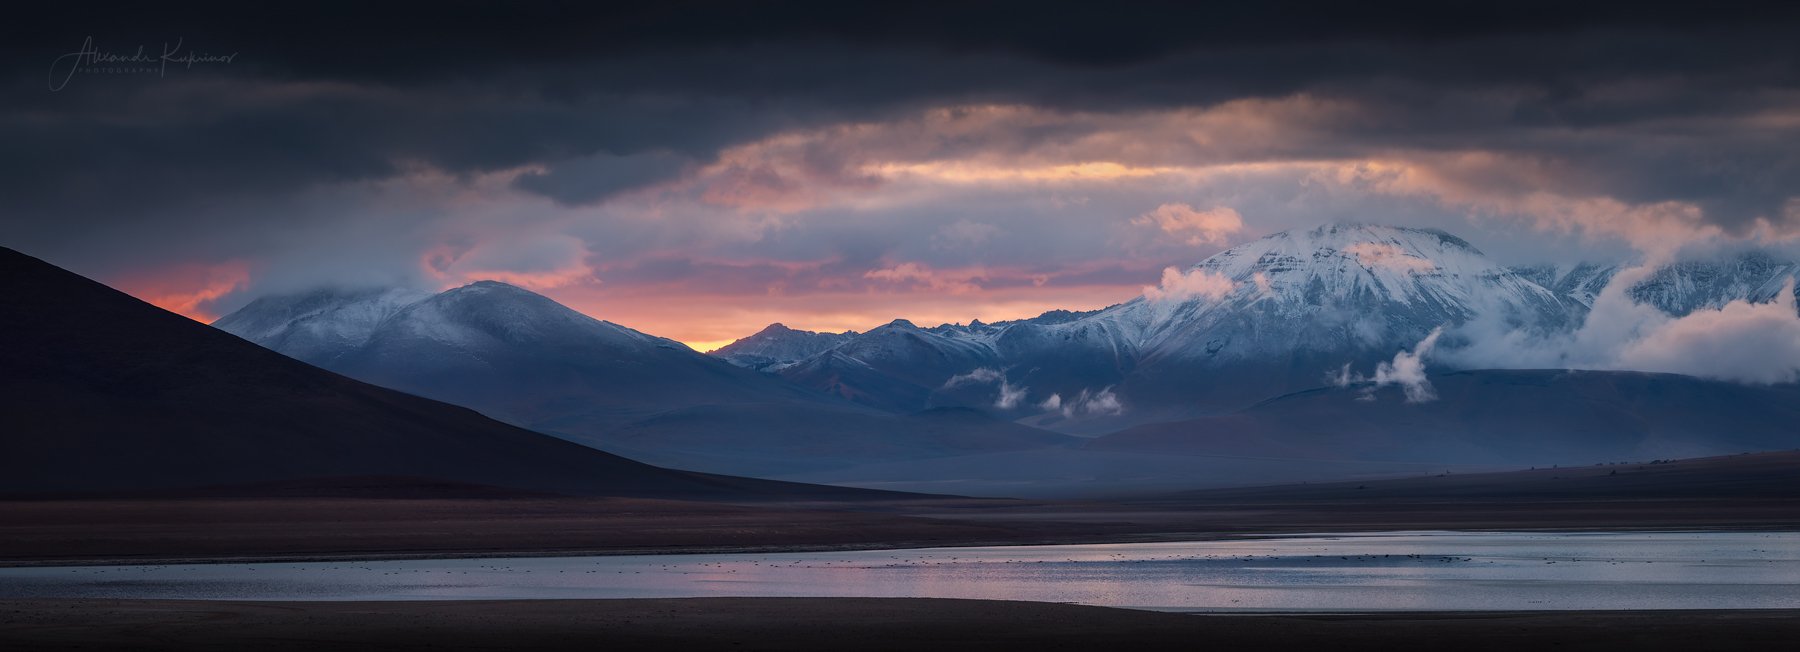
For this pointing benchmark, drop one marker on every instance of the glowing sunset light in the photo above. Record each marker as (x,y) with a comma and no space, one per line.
(708,322)
(701,194)
(189,290)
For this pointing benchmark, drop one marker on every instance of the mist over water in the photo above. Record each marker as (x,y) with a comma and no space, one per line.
(1354,572)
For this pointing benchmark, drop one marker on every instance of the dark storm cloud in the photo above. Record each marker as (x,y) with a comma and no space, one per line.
(408,42)
(596,178)
(606,98)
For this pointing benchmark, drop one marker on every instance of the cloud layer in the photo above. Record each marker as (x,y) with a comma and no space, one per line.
(699,169)
(1741,341)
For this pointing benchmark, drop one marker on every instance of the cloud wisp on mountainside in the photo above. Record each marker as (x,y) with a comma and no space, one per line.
(1742,340)
(1407,370)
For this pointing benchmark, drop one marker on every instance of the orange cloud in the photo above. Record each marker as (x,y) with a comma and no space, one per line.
(974,172)
(188,289)
(1485,183)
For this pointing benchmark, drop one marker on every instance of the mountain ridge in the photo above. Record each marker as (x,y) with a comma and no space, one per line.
(1275,314)
(104,392)
(521,357)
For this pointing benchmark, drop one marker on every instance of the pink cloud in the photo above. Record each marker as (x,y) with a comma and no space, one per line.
(1213,226)
(187,289)
(954,281)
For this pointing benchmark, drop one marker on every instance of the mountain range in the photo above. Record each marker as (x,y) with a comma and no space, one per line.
(1263,319)
(105,393)
(519,357)
(1238,357)
(517,354)
(776,346)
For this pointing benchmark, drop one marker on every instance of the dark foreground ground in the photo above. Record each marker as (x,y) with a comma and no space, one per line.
(1759,492)
(842,624)
(1741,492)
(199,530)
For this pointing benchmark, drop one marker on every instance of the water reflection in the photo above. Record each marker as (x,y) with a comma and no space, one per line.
(1416,570)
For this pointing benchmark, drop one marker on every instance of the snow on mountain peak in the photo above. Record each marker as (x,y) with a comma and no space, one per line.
(487,311)
(776,346)
(1335,287)
(316,325)
(1344,260)
(323,325)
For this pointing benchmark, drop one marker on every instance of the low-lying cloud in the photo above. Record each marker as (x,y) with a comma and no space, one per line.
(1406,370)
(1010,395)
(1740,341)
(1178,286)
(1085,403)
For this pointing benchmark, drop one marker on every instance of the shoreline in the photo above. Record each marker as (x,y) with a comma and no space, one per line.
(804,548)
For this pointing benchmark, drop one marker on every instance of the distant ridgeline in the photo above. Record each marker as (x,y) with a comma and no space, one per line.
(1304,352)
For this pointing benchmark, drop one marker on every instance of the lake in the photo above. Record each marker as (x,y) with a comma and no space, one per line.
(1340,572)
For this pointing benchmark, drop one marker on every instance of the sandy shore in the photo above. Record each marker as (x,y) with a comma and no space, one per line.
(840,624)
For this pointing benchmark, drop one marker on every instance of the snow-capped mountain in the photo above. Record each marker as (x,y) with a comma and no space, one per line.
(1581,282)
(1264,318)
(1275,315)
(524,358)
(1677,288)
(896,366)
(1269,318)
(778,346)
(504,350)
(1686,286)
(489,317)
(1260,319)
(1337,288)
(317,326)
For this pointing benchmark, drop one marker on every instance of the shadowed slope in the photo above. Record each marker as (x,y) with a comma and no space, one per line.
(1523,417)
(102,392)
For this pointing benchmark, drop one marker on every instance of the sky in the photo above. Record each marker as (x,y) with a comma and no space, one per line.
(700,170)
